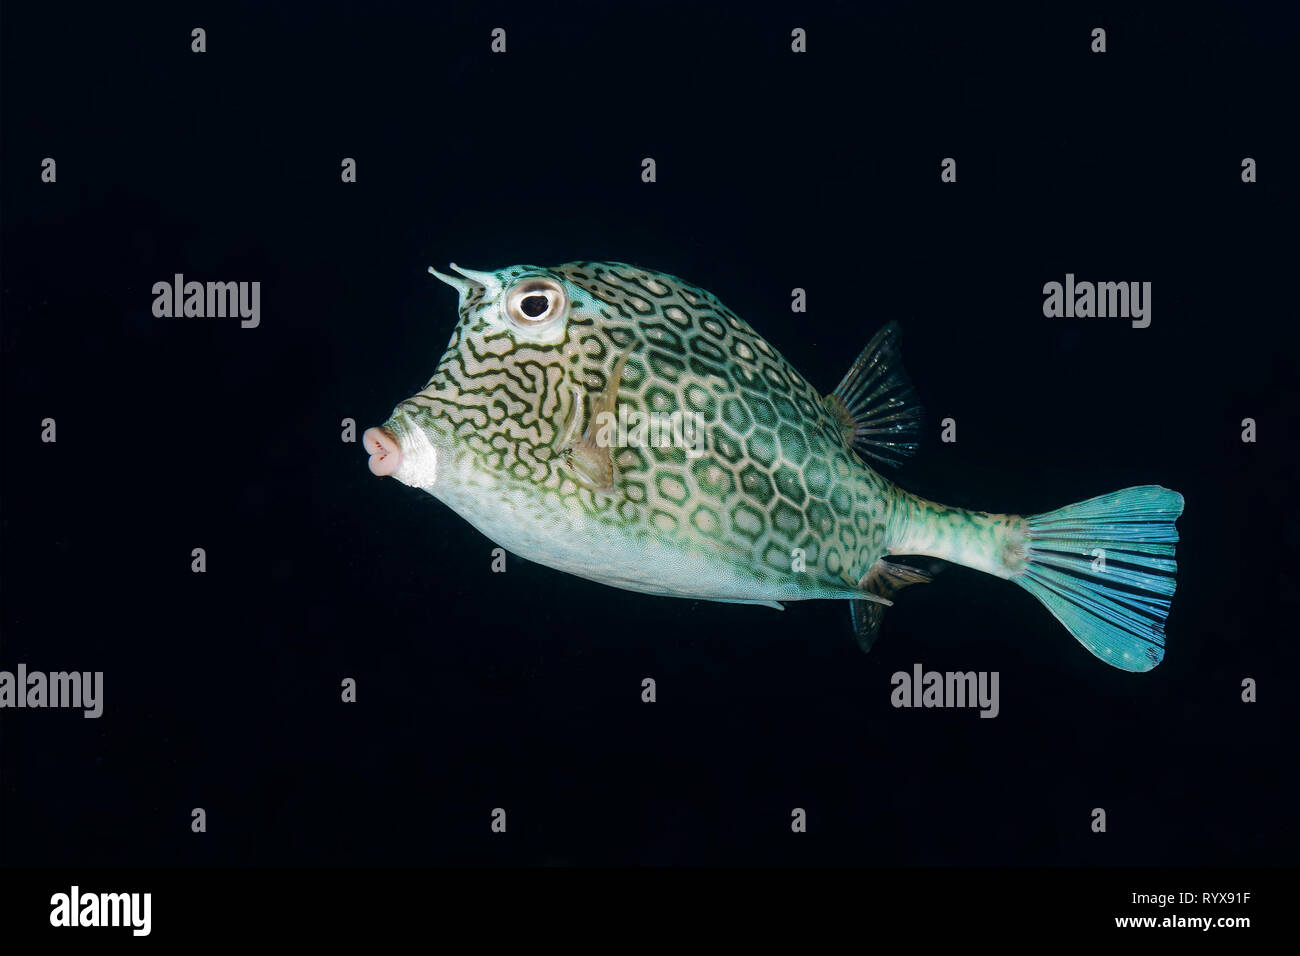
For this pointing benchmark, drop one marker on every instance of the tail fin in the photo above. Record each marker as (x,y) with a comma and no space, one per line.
(1105,568)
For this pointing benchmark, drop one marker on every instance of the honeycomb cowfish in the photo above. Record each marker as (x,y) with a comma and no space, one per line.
(625,426)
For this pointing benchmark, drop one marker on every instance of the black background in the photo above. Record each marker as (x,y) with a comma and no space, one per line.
(522,690)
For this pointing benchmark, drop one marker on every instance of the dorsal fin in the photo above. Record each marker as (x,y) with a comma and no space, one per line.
(884,580)
(876,406)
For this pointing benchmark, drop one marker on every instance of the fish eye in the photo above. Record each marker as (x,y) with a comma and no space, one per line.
(535,301)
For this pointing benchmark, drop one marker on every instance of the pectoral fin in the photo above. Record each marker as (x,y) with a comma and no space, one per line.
(591,457)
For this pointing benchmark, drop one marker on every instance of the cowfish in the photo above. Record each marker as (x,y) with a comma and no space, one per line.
(625,426)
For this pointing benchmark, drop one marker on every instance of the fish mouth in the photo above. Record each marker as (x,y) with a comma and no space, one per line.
(401,450)
(384,449)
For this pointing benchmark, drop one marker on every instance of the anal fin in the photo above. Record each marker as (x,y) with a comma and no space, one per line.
(882,582)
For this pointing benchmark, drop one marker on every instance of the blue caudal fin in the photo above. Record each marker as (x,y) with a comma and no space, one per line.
(1105,567)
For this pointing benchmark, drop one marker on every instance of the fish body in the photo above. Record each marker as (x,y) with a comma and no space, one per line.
(625,426)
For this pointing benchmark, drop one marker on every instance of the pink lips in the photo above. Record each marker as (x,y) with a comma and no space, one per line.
(385,452)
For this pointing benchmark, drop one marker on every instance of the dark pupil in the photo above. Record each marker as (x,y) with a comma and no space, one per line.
(534,305)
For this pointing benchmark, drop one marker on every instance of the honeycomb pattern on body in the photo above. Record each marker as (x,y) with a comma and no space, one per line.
(774,475)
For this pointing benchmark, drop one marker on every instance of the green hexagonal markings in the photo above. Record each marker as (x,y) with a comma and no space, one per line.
(677,316)
(789,483)
(714,328)
(742,351)
(672,455)
(630,459)
(634,376)
(785,408)
(812,549)
(666,367)
(756,484)
(750,380)
(657,333)
(660,400)
(708,349)
(707,370)
(707,521)
(699,400)
(819,518)
(663,522)
(775,378)
(763,412)
(762,447)
(748,521)
(735,415)
(726,445)
(842,501)
(848,540)
(777,558)
(673,487)
(877,536)
(793,445)
(817,476)
(712,479)
(787,520)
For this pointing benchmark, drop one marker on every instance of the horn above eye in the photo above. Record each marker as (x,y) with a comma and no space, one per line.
(535,301)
